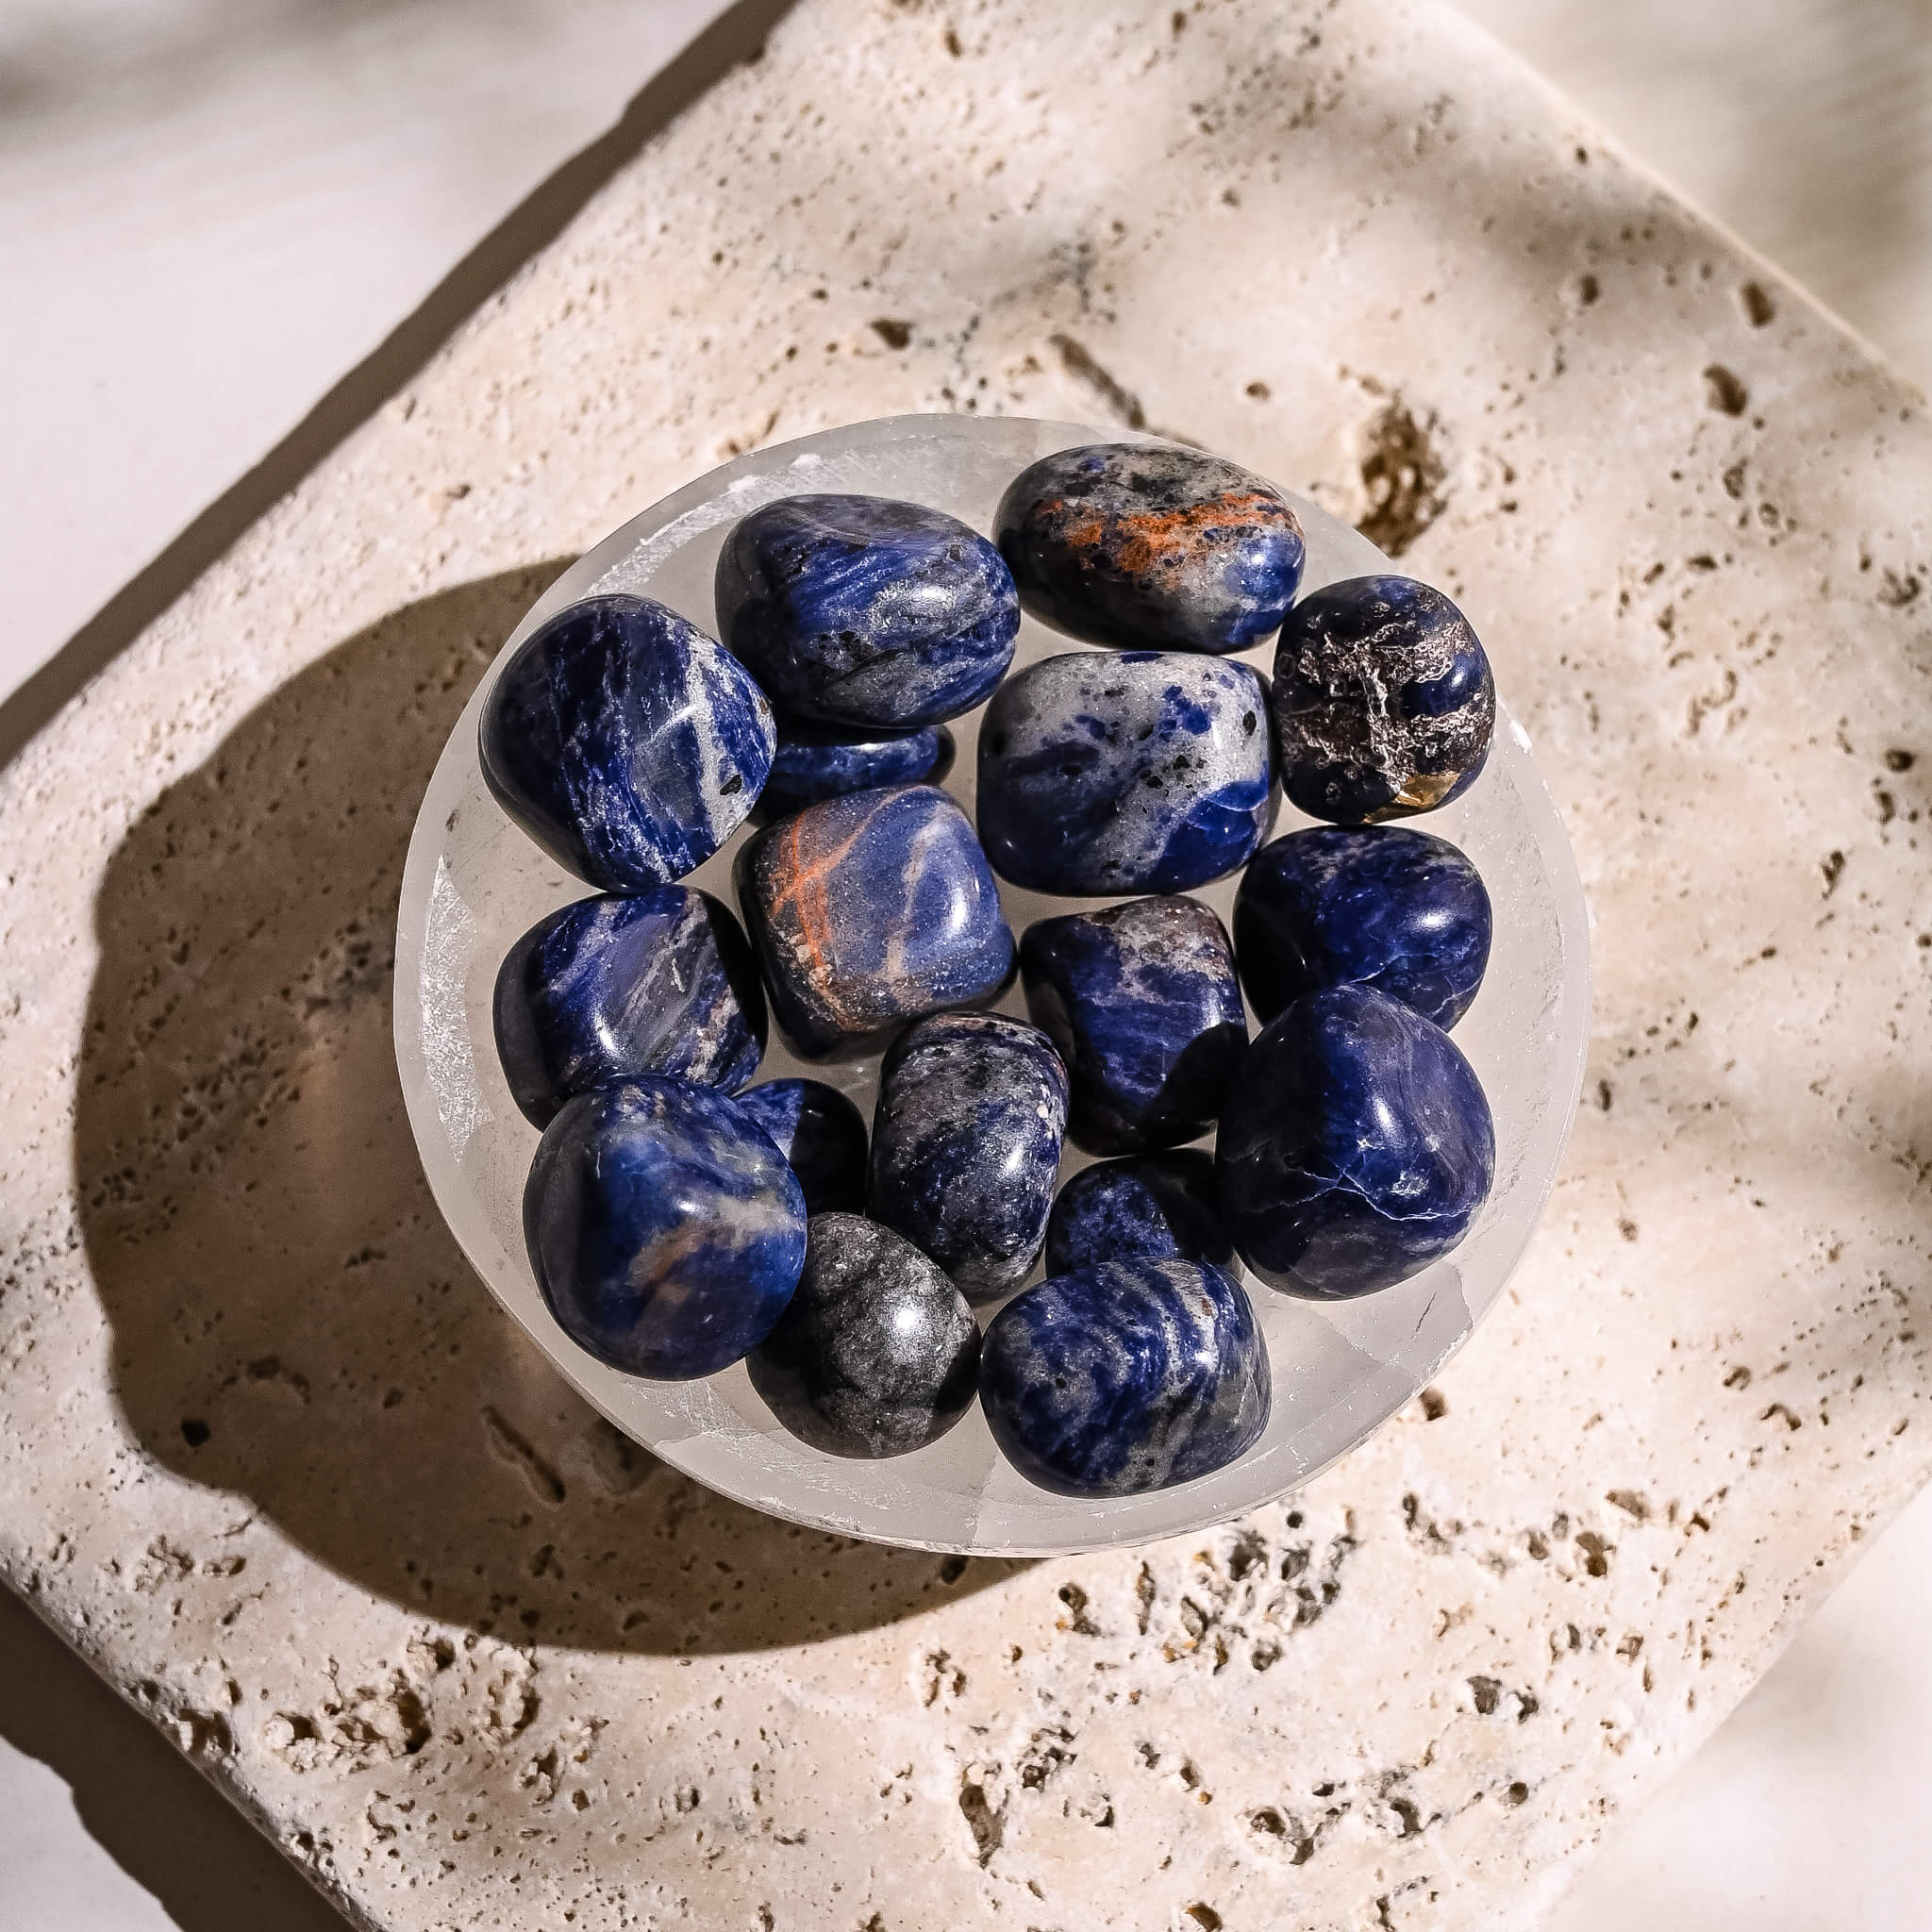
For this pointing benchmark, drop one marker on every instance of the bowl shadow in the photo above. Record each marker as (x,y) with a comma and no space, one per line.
(291,1321)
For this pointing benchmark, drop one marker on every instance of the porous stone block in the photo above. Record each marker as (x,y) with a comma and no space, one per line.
(271,1458)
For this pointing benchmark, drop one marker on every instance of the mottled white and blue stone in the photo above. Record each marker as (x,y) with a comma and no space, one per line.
(1160,548)
(665,1230)
(876,1354)
(1380,906)
(1141,772)
(817,761)
(1142,1002)
(659,982)
(625,743)
(865,610)
(966,1144)
(872,909)
(1125,1376)
(1356,1146)
(821,1134)
(1383,701)
(1154,1207)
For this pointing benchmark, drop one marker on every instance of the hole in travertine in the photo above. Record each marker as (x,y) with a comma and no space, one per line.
(1723,391)
(1758,306)
(1435,1405)
(895,335)
(1403,476)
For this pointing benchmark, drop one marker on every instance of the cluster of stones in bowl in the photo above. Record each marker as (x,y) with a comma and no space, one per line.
(680,1219)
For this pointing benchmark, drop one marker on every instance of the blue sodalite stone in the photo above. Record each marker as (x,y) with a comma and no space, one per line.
(1380,906)
(867,610)
(665,1229)
(662,982)
(1167,549)
(1383,702)
(872,909)
(966,1144)
(1354,1148)
(623,741)
(1155,1208)
(817,761)
(1145,772)
(876,1354)
(1142,1002)
(1125,1376)
(821,1134)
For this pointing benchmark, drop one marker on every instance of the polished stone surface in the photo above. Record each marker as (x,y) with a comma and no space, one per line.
(1151,547)
(1355,1147)
(871,910)
(1141,772)
(1125,1376)
(623,741)
(1382,906)
(877,1352)
(665,1229)
(1152,1206)
(821,1134)
(661,982)
(966,1145)
(1142,1002)
(817,760)
(866,610)
(1383,703)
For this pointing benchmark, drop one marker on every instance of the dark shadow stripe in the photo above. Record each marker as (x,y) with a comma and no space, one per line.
(736,36)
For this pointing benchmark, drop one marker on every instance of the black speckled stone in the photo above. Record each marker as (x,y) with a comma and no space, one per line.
(1383,702)
(876,1353)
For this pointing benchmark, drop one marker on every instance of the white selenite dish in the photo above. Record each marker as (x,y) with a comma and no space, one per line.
(475,883)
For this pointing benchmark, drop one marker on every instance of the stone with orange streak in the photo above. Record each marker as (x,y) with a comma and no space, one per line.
(872,909)
(1151,546)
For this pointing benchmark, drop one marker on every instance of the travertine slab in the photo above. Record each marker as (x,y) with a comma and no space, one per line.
(269,1458)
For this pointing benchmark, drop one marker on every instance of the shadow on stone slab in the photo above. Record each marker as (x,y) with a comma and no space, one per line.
(292,1320)
(146,1806)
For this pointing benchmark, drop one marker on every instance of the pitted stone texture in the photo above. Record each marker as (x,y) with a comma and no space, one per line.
(1411,1697)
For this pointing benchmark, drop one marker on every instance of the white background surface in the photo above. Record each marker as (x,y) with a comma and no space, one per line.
(213,212)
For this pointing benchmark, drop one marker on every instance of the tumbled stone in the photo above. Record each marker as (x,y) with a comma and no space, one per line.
(665,1230)
(1383,703)
(876,1353)
(1125,1376)
(1380,906)
(625,743)
(662,982)
(1356,1146)
(1154,1207)
(966,1144)
(871,910)
(821,1136)
(1142,771)
(867,610)
(1142,1002)
(1146,545)
(816,760)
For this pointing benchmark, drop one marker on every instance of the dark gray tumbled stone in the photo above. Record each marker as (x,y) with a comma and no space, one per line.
(876,1353)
